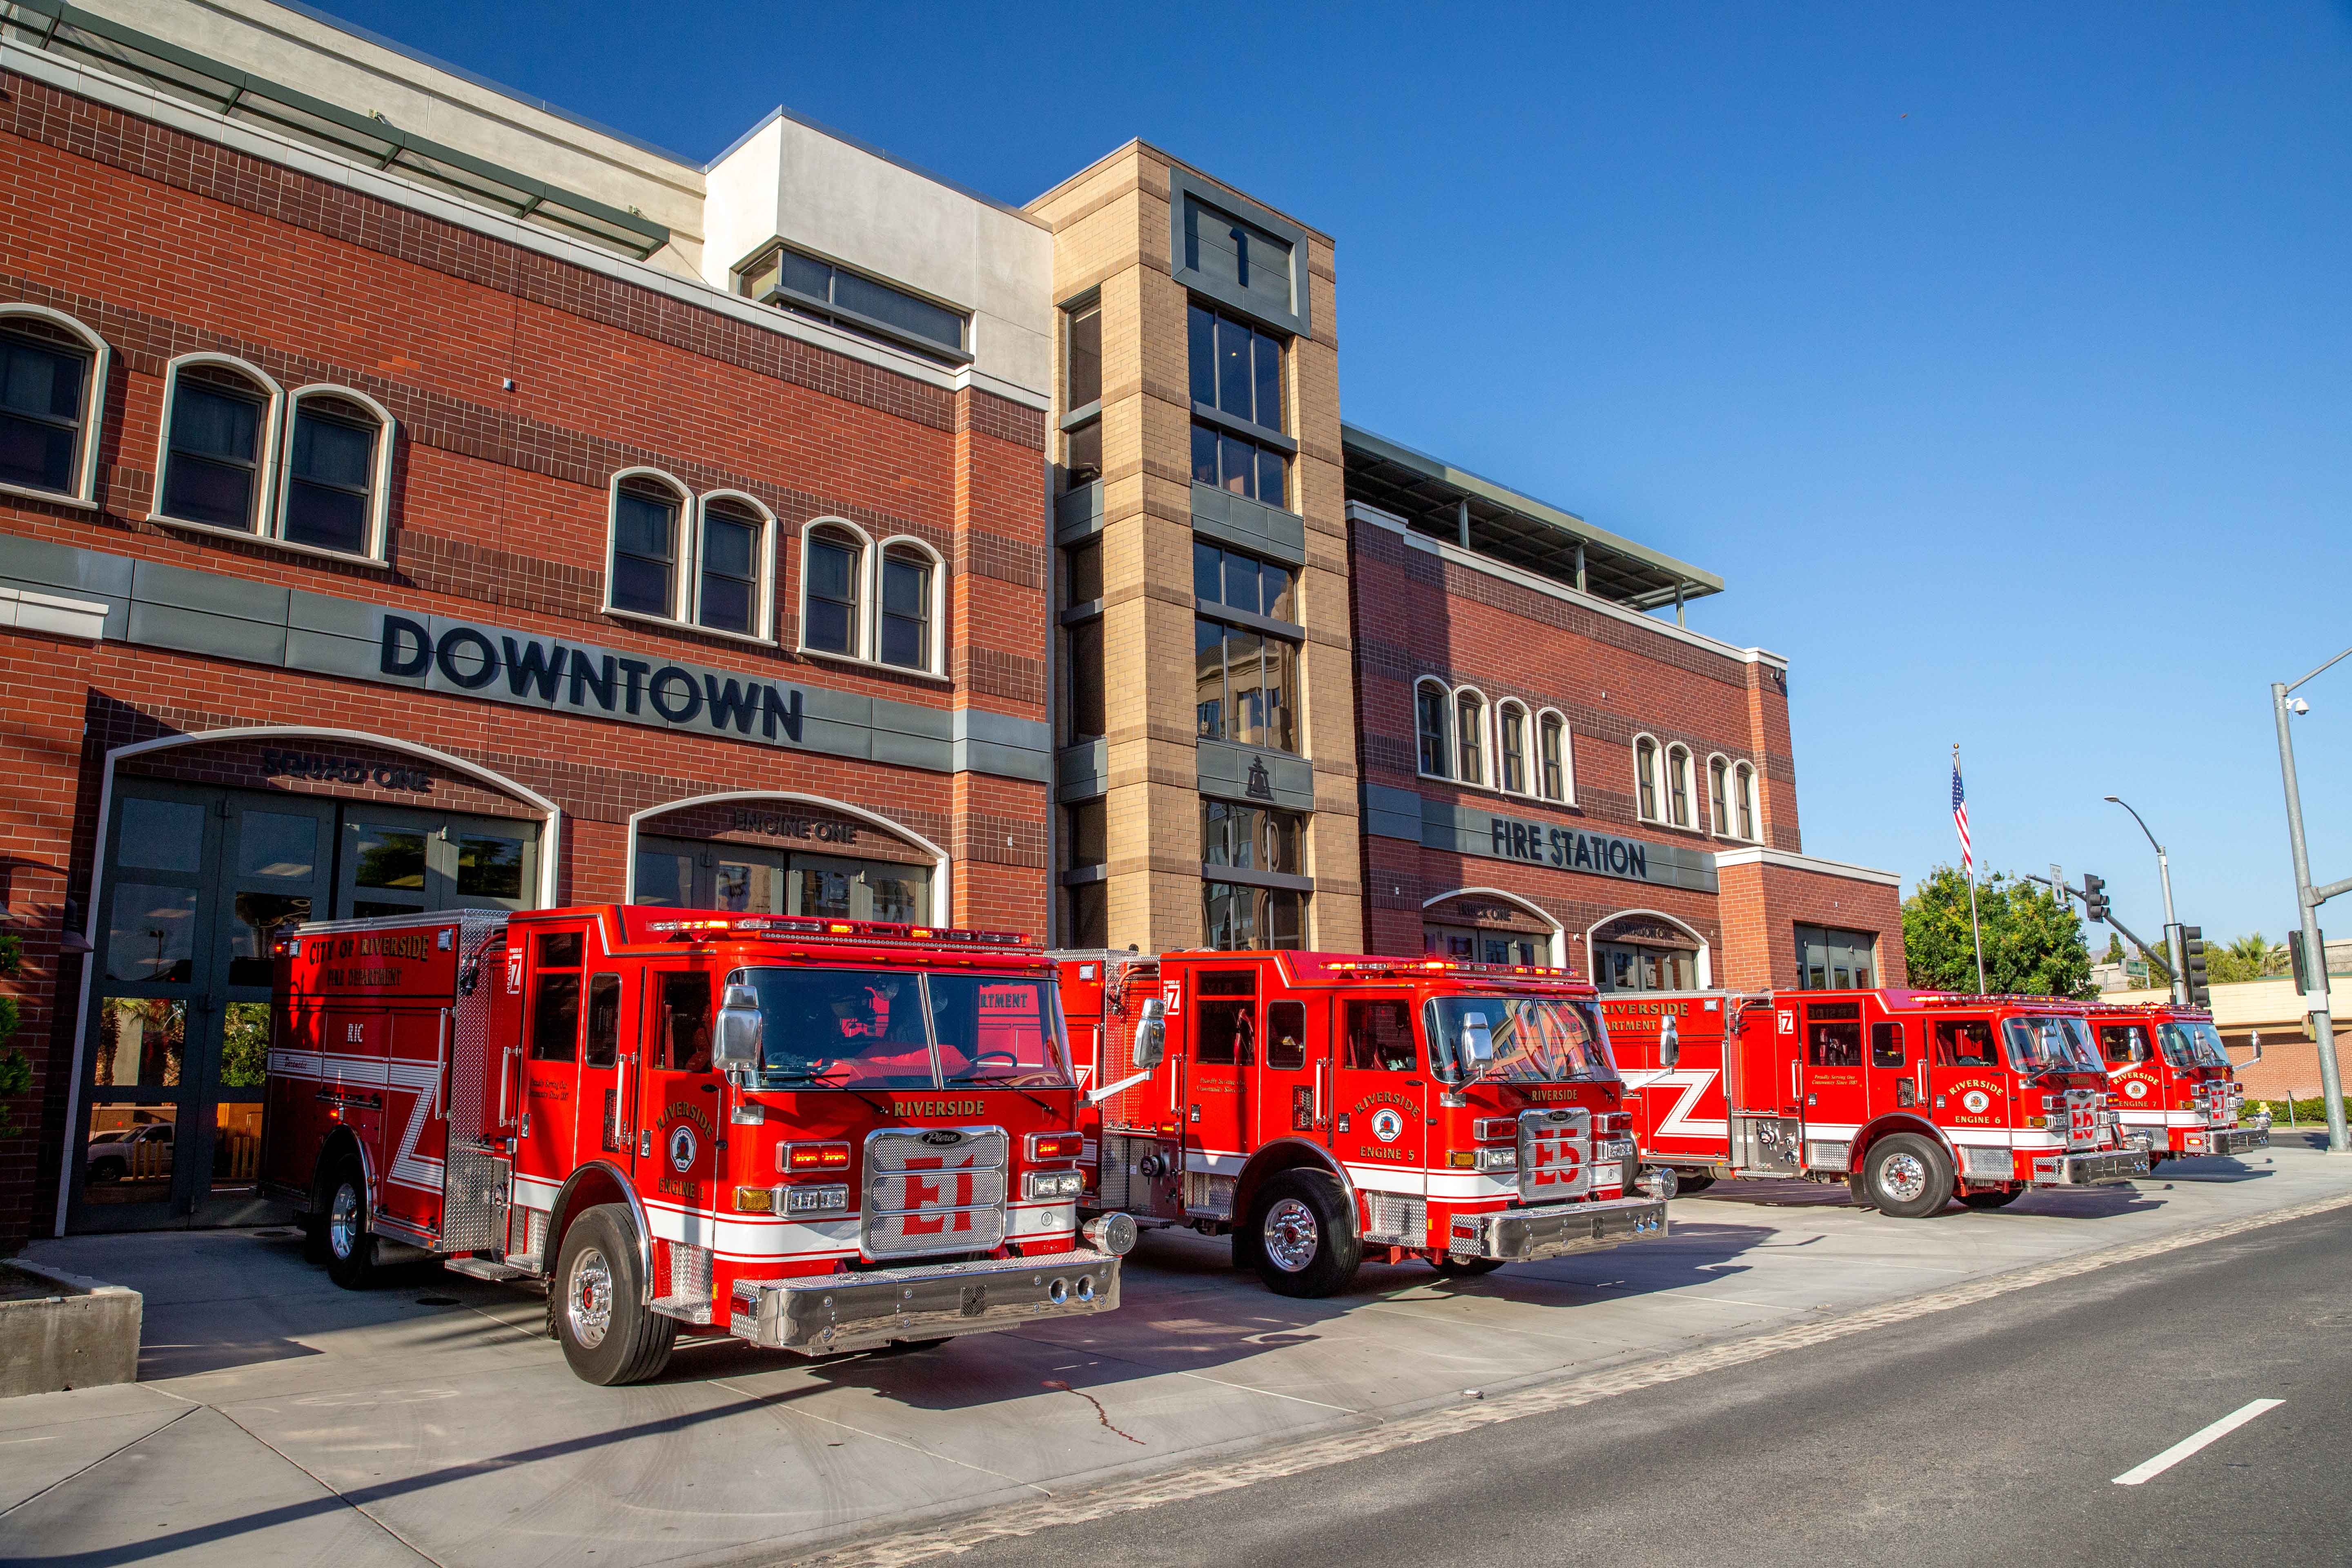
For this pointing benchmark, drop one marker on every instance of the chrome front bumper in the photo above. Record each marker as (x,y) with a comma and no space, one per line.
(2089,1170)
(1554,1230)
(2233,1139)
(825,1313)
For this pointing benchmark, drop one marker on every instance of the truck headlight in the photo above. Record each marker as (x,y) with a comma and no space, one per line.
(1041,1186)
(1498,1159)
(807,1201)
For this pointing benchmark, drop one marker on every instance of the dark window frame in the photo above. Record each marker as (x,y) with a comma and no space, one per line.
(38,334)
(763,279)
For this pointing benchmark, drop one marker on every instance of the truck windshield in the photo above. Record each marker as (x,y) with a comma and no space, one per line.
(2045,1043)
(2192,1045)
(836,1028)
(1535,1039)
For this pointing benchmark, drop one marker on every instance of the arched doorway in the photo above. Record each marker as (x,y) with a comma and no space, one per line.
(1486,925)
(209,843)
(1643,949)
(769,852)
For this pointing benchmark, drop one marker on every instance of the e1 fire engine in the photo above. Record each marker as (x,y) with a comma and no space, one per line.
(815,1135)
(1911,1097)
(1321,1108)
(2176,1093)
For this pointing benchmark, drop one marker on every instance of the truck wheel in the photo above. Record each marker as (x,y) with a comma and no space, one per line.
(597,1295)
(1303,1230)
(314,1238)
(1992,1200)
(1465,1268)
(1907,1177)
(351,1246)
(1247,1254)
(1692,1182)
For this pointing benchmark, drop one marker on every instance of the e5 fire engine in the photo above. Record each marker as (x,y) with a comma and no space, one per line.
(1911,1097)
(812,1135)
(2175,1091)
(1321,1108)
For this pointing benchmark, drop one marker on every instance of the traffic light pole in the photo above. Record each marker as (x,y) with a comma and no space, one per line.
(2176,961)
(2307,902)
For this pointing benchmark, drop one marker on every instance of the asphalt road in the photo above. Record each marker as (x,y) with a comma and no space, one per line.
(1991,1433)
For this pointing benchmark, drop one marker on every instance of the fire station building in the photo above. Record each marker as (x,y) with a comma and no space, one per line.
(413,497)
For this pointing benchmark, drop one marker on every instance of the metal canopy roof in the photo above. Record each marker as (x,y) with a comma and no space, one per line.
(78,35)
(1515,528)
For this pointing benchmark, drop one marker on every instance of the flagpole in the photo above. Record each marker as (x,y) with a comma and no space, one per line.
(1976,931)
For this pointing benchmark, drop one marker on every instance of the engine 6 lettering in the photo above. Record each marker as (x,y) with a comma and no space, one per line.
(1977,1100)
(937,1107)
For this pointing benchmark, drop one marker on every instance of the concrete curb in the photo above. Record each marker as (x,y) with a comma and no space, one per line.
(84,1333)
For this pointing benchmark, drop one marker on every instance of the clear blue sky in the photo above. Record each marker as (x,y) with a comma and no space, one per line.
(1998,358)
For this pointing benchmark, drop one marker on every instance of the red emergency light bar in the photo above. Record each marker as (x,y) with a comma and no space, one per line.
(801,927)
(1445,966)
(1961,999)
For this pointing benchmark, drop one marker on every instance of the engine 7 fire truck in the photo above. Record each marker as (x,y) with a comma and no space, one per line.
(1321,1107)
(2175,1091)
(1911,1097)
(813,1135)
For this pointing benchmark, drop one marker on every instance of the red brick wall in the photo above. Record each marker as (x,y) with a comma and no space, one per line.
(164,245)
(1763,905)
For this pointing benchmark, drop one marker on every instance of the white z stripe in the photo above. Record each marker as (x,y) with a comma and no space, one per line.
(1677,1122)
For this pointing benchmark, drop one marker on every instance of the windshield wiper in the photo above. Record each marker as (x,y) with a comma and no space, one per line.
(1045,1105)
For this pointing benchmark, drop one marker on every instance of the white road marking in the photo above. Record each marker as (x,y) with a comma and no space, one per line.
(1338,1447)
(2190,1445)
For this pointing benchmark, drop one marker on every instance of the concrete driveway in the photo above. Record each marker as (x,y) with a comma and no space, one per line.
(282,1419)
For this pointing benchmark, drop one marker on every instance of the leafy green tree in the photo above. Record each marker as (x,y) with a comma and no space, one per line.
(2247,958)
(2114,950)
(2033,943)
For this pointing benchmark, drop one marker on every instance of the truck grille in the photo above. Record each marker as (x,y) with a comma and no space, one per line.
(2078,1121)
(934,1190)
(1555,1154)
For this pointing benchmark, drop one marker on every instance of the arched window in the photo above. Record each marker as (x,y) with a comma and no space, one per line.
(1470,735)
(1514,720)
(731,566)
(1645,778)
(645,575)
(1554,750)
(1679,805)
(220,419)
(1431,703)
(910,584)
(833,569)
(52,391)
(1744,786)
(337,472)
(1718,798)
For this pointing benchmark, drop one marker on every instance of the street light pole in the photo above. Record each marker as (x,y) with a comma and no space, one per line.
(2171,923)
(2307,901)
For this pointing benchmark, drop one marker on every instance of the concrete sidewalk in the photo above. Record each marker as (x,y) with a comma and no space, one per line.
(283,1419)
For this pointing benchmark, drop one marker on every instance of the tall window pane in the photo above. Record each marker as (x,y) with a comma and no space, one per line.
(40,412)
(1084,583)
(1678,786)
(906,610)
(1747,803)
(1267,399)
(328,490)
(1274,583)
(1241,581)
(1430,717)
(1515,750)
(1209,665)
(214,464)
(1084,463)
(1085,834)
(1208,572)
(1204,455)
(1201,349)
(1282,694)
(1718,801)
(1087,705)
(730,570)
(644,550)
(1085,359)
(1469,739)
(1272,486)
(1245,684)
(1238,461)
(831,570)
(1553,780)
(1645,778)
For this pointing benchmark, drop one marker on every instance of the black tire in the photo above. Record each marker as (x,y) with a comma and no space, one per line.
(1906,1176)
(1992,1200)
(909,1347)
(1690,1182)
(1465,1268)
(596,1296)
(1303,1231)
(343,1226)
(108,1170)
(314,1238)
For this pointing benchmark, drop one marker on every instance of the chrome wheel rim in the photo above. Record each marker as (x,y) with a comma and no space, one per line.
(588,1298)
(343,1221)
(1291,1235)
(1904,1177)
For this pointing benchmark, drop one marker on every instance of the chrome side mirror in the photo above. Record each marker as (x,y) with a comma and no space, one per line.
(1477,1039)
(735,1043)
(1670,1044)
(1151,1034)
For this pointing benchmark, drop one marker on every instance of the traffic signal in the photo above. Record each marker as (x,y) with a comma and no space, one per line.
(2094,898)
(2192,967)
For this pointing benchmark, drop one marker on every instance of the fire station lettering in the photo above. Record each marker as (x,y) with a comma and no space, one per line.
(1465,830)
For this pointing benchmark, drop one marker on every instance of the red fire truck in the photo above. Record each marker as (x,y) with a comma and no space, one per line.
(1910,1097)
(815,1135)
(2175,1091)
(1322,1108)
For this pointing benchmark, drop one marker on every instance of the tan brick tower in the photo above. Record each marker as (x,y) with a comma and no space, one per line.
(1207,756)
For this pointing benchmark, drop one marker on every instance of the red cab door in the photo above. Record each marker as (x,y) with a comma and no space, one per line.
(1225,1028)
(554,982)
(1378,1104)
(1291,1096)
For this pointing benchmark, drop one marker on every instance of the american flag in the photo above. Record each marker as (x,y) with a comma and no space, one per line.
(1960,819)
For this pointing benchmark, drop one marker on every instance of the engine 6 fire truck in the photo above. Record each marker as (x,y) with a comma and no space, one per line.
(1911,1097)
(1322,1108)
(2175,1091)
(813,1135)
